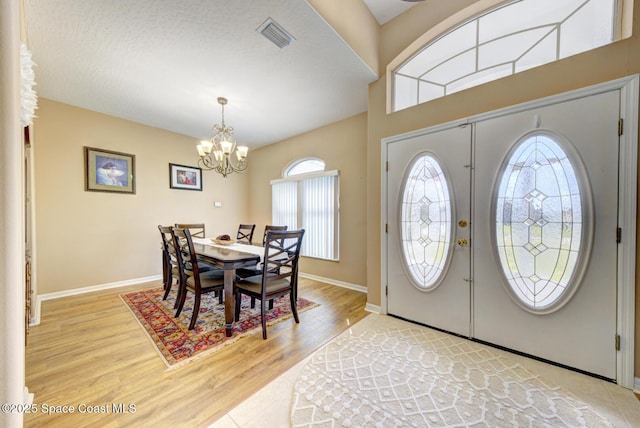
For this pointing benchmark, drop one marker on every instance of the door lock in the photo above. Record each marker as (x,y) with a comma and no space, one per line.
(462,223)
(462,242)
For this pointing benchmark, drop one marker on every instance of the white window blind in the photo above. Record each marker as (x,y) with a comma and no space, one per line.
(310,202)
(284,196)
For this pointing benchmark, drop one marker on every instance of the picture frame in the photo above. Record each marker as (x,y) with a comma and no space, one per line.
(185,177)
(109,171)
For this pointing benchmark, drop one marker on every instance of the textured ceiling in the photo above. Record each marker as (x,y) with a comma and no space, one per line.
(164,62)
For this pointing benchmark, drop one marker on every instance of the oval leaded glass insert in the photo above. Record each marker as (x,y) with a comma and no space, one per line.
(542,222)
(425,222)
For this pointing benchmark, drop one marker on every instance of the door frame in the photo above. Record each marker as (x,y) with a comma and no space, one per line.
(629,88)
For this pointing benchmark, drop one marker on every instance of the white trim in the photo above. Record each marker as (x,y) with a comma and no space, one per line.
(636,386)
(628,173)
(629,88)
(375,309)
(355,287)
(58,294)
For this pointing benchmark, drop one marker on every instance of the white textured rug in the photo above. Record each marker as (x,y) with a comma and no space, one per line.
(418,377)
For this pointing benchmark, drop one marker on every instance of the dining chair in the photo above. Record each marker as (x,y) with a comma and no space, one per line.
(278,276)
(170,268)
(248,272)
(191,278)
(245,233)
(269,227)
(196,229)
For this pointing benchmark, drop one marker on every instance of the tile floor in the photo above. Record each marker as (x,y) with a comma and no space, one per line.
(619,405)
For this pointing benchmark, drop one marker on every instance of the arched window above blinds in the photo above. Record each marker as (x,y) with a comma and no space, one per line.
(304,166)
(503,41)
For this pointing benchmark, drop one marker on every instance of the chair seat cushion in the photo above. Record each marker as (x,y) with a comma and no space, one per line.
(253,285)
(209,279)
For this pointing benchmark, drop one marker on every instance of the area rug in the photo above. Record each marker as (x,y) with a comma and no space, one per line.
(418,377)
(177,345)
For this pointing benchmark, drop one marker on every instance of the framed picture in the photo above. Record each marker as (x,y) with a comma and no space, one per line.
(185,177)
(108,171)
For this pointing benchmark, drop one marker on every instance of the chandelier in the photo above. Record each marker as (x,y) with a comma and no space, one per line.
(220,153)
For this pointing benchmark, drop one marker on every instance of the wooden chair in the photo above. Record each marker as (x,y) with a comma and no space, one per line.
(278,276)
(196,229)
(269,227)
(246,273)
(170,268)
(191,278)
(245,233)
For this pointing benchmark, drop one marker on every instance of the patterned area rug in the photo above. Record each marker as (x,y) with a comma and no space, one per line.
(176,344)
(418,377)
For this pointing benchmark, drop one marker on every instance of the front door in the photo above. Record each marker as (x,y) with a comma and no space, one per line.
(504,230)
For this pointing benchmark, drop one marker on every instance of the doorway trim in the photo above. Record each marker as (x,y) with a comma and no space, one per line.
(629,88)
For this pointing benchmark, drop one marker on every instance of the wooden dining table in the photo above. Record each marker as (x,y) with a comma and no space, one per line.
(229,260)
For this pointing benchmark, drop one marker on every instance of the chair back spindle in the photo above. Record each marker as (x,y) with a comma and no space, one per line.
(268,228)
(245,233)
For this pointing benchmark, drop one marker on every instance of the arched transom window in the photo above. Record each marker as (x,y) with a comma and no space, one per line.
(520,35)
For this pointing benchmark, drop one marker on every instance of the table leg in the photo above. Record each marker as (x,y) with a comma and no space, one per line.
(229,307)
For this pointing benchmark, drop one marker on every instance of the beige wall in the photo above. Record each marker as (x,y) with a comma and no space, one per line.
(342,145)
(600,65)
(93,238)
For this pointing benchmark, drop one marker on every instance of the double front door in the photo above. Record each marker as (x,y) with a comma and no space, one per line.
(504,230)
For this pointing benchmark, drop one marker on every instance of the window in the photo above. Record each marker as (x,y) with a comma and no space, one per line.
(307,198)
(520,35)
(542,229)
(426,222)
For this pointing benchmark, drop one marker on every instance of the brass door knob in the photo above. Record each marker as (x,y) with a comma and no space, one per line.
(462,242)
(462,223)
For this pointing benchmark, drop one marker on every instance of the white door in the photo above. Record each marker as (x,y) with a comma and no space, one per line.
(428,212)
(537,272)
(546,187)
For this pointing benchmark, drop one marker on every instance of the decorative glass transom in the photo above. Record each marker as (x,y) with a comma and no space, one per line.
(504,41)
(425,222)
(541,230)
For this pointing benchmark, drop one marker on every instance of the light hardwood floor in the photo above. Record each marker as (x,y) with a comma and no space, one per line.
(90,350)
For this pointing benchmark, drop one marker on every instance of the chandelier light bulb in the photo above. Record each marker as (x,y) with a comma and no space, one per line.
(242,152)
(226,146)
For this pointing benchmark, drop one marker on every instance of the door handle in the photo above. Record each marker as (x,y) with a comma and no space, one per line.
(462,242)
(463,223)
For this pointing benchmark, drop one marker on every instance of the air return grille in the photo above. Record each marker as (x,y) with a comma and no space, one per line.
(275,33)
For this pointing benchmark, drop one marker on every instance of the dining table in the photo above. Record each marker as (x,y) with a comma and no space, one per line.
(228,257)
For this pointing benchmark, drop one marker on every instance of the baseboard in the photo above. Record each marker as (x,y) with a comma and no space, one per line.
(376,309)
(355,287)
(636,385)
(58,294)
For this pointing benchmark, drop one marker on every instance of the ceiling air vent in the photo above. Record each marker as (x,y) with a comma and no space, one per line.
(275,33)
